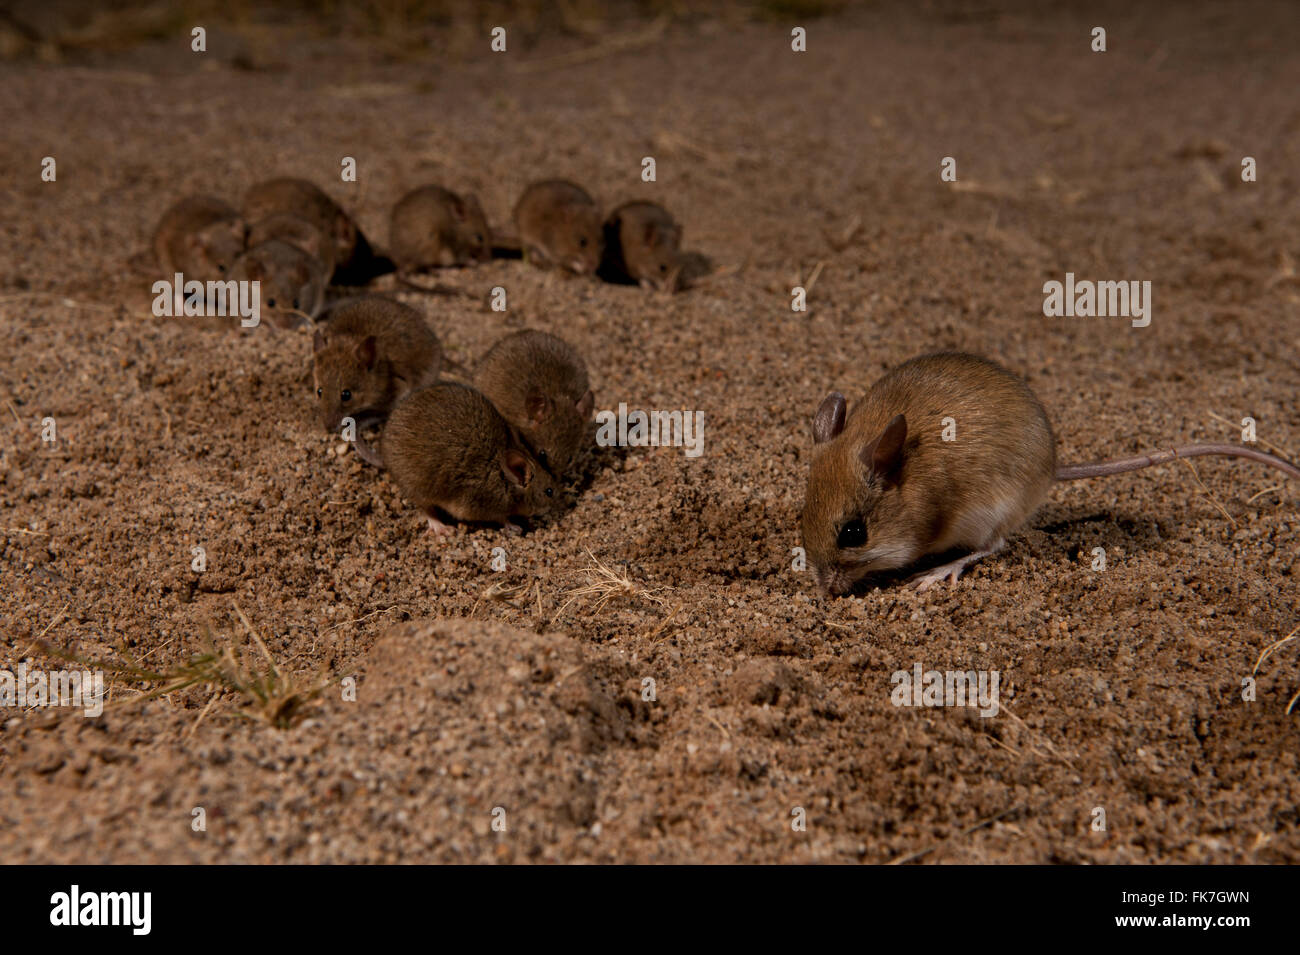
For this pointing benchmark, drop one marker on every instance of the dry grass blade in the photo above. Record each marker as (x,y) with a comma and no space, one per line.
(1268,490)
(1258,440)
(1269,650)
(654,634)
(604,584)
(1206,491)
(40,637)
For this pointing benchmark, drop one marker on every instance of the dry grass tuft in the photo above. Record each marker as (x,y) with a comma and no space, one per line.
(605,584)
(270,696)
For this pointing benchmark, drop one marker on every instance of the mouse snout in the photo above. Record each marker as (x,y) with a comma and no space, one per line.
(833,581)
(577,266)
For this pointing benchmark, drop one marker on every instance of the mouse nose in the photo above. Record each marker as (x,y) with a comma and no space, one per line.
(833,582)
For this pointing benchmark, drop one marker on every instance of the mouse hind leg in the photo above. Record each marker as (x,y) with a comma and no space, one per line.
(952,570)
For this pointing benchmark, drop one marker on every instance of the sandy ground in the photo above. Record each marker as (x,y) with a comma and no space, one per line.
(1121,690)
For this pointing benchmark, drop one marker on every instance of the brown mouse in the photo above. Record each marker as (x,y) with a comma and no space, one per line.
(539,383)
(354,260)
(373,352)
(291,281)
(885,489)
(294,229)
(453,455)
(200,237)
(560,226)
(432,227)
(643,247)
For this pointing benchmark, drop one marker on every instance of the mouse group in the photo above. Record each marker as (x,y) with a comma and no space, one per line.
(495,448)
(946,452)
(292,238)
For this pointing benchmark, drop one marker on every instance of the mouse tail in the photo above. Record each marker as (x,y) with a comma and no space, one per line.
(405,280)
(1077,472)
(367,453)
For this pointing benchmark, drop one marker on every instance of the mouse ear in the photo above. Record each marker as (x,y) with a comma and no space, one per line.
(538,408)
(318,341)
(829,420)
(651,233)
(366,351)
(516,467)
(458,208)
(884,456)
(585,404)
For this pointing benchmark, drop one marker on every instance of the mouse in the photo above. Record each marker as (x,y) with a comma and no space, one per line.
(294,229)
(373,352)
(432,227)
(454,456)
(291,282)
(560,226)
(885,489)
(200,237)
(355,262)
(643,247)
(539,383)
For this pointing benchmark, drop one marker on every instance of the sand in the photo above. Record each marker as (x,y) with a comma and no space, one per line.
(717,708)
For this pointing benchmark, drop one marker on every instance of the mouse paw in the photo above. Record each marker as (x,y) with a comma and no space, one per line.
(923,582)
(952,570)
(439,528)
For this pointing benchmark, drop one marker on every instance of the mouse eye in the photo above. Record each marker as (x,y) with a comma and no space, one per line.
(852,534)
(320,392)
(541,458)
(550,492)
(663,266)
(220,267)
(270,303)
(295,305)
(478,238)
(582,243)
(346,396)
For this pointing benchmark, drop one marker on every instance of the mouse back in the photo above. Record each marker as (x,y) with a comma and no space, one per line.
(298,231)
(201,237)
(539,383)
(945,451)
(560,226)
(433,227)
(449,449)
(310,202)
